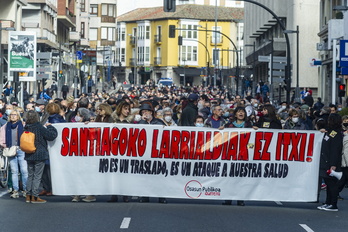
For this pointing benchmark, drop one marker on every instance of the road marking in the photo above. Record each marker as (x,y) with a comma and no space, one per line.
(304,226)
(125,223)
(278,203)
(3,193)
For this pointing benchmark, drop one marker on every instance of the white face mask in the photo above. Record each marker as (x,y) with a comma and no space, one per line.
(37,109)
(78,118)
(168,118)
(199,124)
(294,120)
(137,118)
(255,105)
(8,112)
(1,106)
(283,107)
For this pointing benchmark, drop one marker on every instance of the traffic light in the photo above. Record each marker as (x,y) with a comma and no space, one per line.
(169,5)
(179,40)
(341,90)
(60,74)
(54,75)
(171,31)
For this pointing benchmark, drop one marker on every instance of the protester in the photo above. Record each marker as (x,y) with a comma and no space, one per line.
(330,160)
(190,112)
(268,119)
(10,135)
(215,120)
(168,117)
(36,160)
(294,122)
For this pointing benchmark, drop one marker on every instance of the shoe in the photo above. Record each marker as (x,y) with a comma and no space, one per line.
(43,193)
(28,199)
(162,200)
(227,202)
(37,200)
(113,198)
(9,190)
(322,206)
(144,199)
(125,199)
(323,186)
(240,203)
(89,198)
(340,198)
(331,208)
(14,194)
(76,199)
(24,193)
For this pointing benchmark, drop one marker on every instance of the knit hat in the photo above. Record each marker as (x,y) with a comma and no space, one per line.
(70,99)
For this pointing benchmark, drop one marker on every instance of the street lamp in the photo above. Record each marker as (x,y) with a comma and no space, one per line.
(134,40)
(297,59)
(254,59)
(2,55)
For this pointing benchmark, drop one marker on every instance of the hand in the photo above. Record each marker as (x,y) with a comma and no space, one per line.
(333,168)
(255,128)
(221,128)
(48,124)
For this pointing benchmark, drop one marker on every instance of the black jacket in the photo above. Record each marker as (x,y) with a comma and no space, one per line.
(265,122)
(331,151)
(189,115)
(154,121)
(42,135)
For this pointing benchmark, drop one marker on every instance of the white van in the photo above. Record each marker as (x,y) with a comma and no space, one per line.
(165,81)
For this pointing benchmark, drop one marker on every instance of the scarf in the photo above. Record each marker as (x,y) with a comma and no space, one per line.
(238,125)
(9,127)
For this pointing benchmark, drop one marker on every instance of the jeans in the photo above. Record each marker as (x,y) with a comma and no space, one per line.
(35,170)
(14,162)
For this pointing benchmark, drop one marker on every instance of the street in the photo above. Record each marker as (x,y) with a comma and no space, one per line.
(60,214)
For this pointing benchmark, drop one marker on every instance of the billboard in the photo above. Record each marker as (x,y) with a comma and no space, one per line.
(22,53)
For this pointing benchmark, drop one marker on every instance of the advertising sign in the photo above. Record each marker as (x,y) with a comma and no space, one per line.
(22,52)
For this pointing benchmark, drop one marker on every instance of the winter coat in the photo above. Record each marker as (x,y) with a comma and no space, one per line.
(331,151)
(266,122)
(208,122)
(300,125)
(56,118)
(42,135)
(345,151)
(154,121)
(189,115)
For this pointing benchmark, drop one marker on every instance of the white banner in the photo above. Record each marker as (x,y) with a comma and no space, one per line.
(185,162)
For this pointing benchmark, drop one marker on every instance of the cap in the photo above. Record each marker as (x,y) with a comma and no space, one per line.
(193,97)
(305,107)
(146,106)
(40,102)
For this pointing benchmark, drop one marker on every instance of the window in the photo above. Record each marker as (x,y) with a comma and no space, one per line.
(93,9)
(147,32)
(189,53)
(216,57)
(216,37)
(108,10)
(93,34)
(83,5)
(82,30)
(108,33)
(121,33)
(147,54)
(120,54)
(190,33)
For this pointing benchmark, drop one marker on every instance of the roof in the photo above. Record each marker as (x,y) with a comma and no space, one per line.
(186,11)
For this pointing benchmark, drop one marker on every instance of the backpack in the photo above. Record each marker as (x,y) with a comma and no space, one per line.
(27,142)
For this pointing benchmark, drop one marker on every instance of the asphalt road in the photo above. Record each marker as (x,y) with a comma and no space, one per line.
(60,214)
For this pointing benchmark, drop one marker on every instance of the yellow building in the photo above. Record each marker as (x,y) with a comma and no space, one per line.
(146,46)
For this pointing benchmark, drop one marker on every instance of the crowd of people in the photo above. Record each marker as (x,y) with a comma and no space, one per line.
(194,106)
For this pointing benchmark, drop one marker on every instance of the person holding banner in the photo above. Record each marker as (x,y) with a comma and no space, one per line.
(147,114)
(330,160)
(268,119)
(294,122)
(36,160)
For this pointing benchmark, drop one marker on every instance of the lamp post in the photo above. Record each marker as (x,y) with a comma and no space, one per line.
(297,59)
(2,55)
(254,58)
(184,73)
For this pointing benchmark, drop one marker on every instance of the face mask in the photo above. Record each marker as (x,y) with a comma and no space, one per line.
(256,105)
(226,114)
(37,109)
(339,109)
(137,118)
(294,120)
(168,118)
(345,124)
(199,124)
(77,118)
(283,107)
(8,112)
(1,106)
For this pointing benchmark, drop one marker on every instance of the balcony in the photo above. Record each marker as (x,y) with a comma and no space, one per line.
(84,42)
(132,62)
(108,19)
(219,40)
(107,43)
(68,19)
(74,36)
(157,60)
(132,40)
(158,39)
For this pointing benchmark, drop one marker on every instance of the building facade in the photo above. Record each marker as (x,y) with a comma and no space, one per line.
(147,49)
